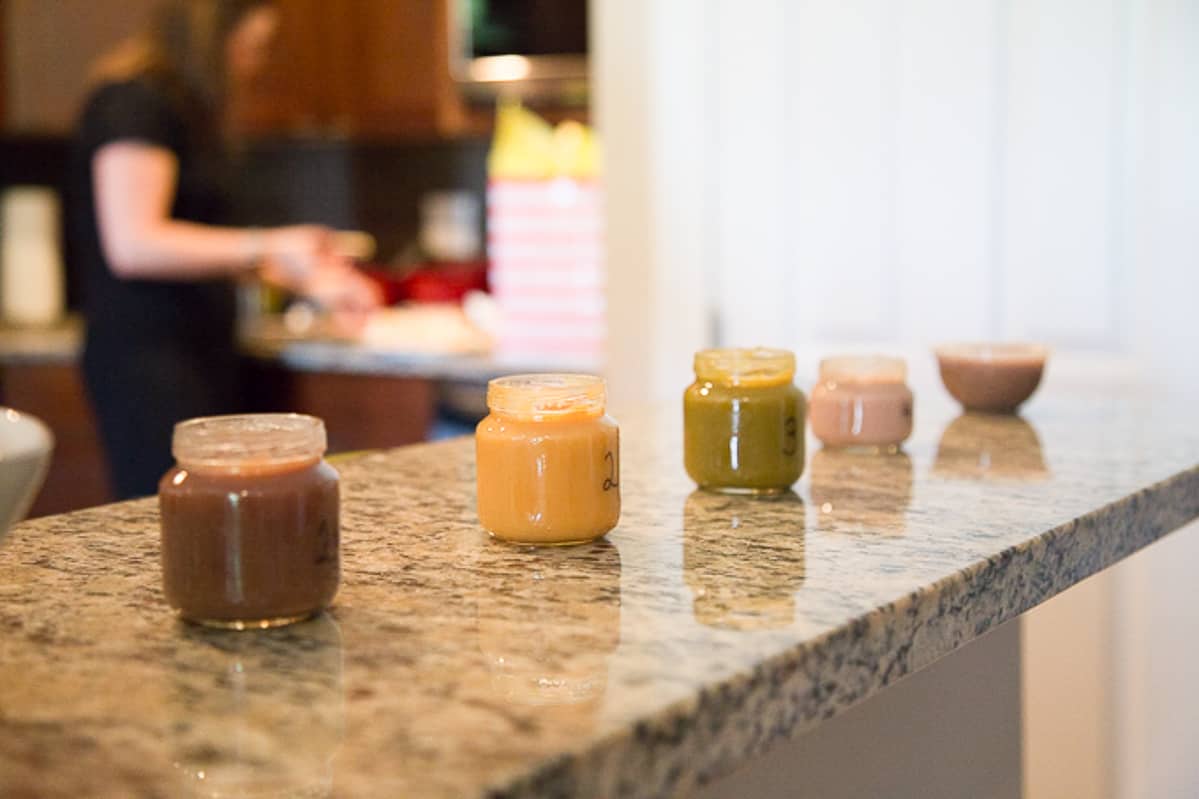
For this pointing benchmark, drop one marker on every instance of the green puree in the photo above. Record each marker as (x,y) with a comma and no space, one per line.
(743,438)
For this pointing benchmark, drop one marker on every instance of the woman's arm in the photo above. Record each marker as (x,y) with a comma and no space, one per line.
(134,185)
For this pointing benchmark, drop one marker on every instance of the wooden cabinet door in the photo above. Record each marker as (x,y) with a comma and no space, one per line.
(368,68)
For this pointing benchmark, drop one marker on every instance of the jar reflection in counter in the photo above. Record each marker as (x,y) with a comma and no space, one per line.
(855,491)
(548,620)
(257,714)
(983,446)
(743,559)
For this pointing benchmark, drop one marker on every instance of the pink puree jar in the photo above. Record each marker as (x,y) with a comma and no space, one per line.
(862,402)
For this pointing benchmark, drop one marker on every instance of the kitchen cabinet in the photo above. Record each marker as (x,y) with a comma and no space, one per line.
(376,68)
(368,68)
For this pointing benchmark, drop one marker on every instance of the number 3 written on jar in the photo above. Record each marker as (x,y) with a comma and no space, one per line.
(790,436)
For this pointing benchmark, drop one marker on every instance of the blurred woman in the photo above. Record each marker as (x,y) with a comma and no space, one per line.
(149,189)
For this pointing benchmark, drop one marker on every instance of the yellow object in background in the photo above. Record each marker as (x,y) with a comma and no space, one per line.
(526,147)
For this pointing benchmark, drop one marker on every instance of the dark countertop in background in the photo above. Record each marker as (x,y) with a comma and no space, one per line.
(266,340)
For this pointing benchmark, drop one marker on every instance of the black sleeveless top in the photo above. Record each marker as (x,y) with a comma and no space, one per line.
(123,312)
(157,351)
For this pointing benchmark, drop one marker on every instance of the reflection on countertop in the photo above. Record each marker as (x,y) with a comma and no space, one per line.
(472,668)
(743,558)
(548,619)
(988,446)
(255,715)
(856,491)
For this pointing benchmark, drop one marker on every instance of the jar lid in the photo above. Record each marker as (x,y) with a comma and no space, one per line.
(749,366)
(863,369)
(249,442)
(547,395)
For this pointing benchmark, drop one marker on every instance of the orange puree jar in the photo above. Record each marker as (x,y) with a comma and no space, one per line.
(548,460)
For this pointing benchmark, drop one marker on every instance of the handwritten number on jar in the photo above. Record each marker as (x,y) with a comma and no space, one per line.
(326,550)
(613,478)
(790,436)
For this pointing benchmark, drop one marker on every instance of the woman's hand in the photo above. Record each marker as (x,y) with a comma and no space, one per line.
(302,260)
(346,293)
(292,256)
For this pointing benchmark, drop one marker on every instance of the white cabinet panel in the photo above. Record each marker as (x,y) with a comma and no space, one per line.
(836,168)
(751,220)
(946,113)
(1060,213)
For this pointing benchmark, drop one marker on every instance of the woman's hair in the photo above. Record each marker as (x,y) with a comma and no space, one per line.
(183,45)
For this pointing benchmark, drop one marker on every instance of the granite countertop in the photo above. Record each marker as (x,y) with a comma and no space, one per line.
(267,339)
(702,630)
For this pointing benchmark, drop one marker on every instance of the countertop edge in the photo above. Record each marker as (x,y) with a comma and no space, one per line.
(711,734)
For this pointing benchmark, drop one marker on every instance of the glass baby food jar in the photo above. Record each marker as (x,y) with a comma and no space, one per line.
(862,402)
(743,421)
(548,460)
(250,535)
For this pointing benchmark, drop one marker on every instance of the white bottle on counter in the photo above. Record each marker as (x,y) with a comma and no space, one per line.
(31,267)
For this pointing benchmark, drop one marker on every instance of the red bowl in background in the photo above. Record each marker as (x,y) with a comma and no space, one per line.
(432,283)
(388,283)
(444,282)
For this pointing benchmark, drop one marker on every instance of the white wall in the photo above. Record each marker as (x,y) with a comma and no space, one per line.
(823,174)
(896,172)
(652,103)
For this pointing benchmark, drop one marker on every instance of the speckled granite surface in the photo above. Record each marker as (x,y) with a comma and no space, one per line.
(701,631)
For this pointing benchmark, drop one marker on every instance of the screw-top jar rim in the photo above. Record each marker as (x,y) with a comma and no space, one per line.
(857,369)
(547,396)
(249,443)
(745,366)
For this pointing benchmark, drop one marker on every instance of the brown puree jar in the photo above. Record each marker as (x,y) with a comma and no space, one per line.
(862,402)
(250,535)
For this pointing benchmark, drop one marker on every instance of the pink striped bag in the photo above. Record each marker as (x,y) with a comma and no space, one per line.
(545,248)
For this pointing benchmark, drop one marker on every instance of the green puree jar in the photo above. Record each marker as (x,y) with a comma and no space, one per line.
(743,421)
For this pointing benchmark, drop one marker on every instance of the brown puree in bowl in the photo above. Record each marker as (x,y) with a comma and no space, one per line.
(255,546)
(995,378)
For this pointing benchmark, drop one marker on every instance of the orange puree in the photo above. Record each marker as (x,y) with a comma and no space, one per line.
(548,460)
